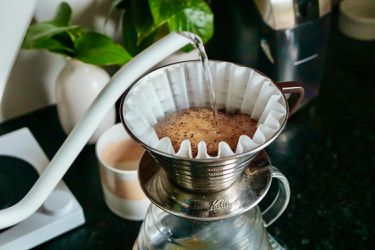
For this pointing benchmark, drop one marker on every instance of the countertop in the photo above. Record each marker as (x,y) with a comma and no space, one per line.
(326,152)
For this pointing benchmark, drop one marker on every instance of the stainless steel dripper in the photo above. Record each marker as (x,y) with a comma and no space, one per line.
(206,175)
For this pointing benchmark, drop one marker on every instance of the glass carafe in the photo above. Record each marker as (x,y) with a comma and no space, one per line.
(188,220)
(162,230)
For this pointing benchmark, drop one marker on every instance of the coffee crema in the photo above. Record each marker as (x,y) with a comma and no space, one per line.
(197,124)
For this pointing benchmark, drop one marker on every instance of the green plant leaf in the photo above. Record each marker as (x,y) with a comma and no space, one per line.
(162,10)
(99,49)
(198,20)
(41,32)
(189,15)
(137,24)
(144,23)
(129,33)
(53,45)
(63,15)
(59,36)
(142,19)
(153,15)
(130,36)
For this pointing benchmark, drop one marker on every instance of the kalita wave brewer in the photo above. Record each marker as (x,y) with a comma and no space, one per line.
(207,202)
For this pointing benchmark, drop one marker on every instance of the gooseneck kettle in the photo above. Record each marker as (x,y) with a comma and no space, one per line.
(78,138)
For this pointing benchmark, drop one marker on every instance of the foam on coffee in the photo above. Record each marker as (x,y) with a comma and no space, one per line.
(197,124)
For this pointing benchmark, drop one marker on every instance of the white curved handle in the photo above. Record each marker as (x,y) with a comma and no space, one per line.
(87,125)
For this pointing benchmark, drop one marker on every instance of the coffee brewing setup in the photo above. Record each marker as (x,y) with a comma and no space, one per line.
(207,201)
(198,203)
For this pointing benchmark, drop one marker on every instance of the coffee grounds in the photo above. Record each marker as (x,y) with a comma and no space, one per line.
(197,124)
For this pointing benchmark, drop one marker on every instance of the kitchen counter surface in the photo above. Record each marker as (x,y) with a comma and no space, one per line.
(326,151)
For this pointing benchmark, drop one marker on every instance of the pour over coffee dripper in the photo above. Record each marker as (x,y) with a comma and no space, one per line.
(209,174)
(192,197)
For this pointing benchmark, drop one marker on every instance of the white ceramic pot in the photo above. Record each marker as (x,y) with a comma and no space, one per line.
(77,86)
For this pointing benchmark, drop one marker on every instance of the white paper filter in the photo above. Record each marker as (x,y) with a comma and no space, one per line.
(181,86)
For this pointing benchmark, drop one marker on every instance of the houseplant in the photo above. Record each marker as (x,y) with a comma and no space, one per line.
(145,21)
(81,79)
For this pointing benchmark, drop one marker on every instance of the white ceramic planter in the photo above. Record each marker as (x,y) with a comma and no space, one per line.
(77,86)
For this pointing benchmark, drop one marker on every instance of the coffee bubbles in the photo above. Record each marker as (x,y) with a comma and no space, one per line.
(197,124)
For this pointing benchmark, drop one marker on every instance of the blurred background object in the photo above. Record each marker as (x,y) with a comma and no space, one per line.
(236,36)
(12,28)
(286,39)
(357,19)
(294,40)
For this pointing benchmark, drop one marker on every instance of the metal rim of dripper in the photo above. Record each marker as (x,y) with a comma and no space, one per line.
(194,160)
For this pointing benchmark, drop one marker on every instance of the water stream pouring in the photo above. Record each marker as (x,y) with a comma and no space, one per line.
(78,138)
